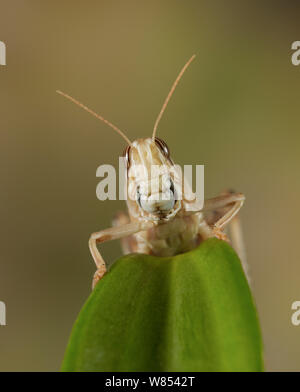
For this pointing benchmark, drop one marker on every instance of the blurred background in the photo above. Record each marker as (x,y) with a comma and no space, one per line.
(236,111)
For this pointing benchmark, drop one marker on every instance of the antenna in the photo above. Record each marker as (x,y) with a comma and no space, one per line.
(170,95)
(122,134)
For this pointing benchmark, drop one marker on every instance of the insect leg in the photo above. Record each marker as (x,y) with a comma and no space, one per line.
(204,230)
(224,209)
(233,201)
(128,244)
(237,239)
(218,207)
(110,234)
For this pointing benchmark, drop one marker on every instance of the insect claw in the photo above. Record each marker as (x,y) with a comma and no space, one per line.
(98,275)
(218,233)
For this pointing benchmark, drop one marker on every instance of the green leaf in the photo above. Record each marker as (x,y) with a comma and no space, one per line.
(191,312)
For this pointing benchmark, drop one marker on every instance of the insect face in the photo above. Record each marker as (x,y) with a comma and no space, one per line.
(151,180)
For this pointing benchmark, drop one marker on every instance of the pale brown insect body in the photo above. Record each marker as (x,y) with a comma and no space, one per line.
(159,222)
(171,229)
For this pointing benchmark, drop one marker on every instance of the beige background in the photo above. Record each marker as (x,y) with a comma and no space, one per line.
(236,111)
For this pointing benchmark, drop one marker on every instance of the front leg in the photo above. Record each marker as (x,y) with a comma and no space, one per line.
(224,210)
(110,234)
(128,244)
(232,200)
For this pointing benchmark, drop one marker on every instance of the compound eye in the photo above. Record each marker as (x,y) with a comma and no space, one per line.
(138,196)
(172,187)
(126,156)
(163,146)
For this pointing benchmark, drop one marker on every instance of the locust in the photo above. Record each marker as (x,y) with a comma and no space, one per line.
(159,222)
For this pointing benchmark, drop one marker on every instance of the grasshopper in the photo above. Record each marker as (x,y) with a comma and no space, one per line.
(160,223)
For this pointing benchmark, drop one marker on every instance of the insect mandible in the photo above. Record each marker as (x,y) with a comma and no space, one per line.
(158,222)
